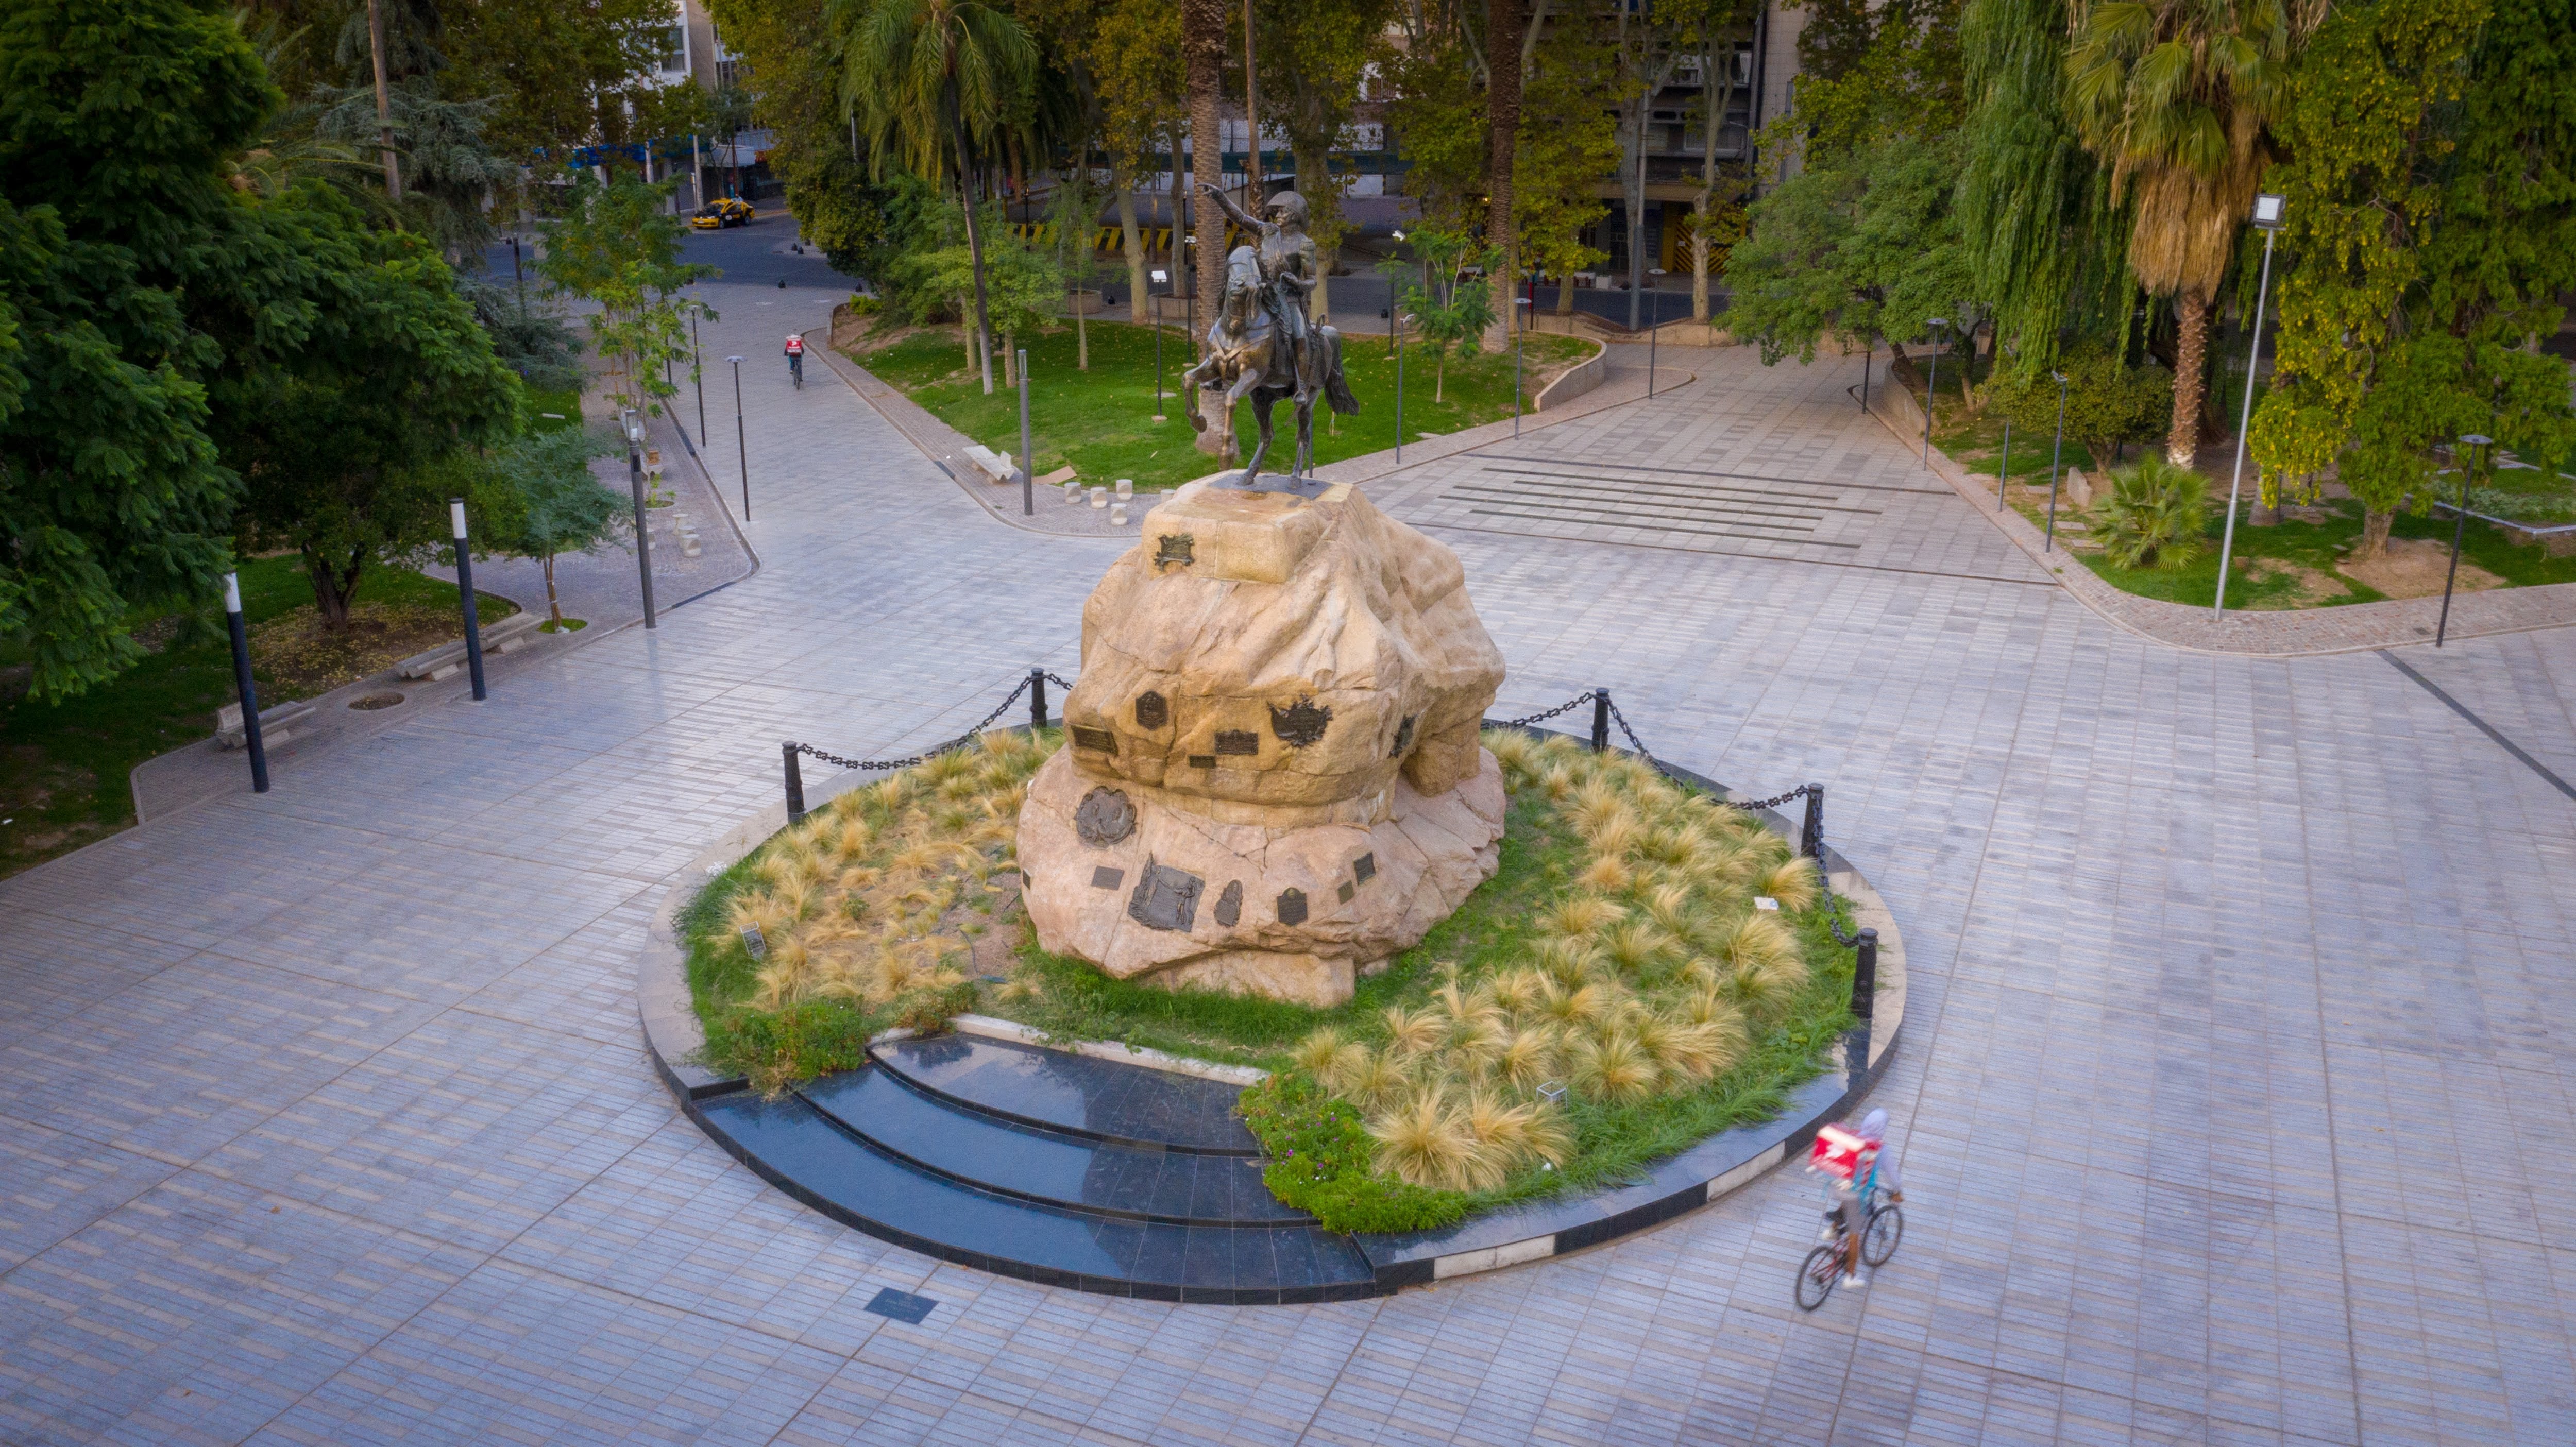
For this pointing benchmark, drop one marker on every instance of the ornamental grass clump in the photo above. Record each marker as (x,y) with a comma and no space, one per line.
(2155,515)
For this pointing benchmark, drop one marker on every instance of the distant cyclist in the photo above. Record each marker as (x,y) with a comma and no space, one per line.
(796,358)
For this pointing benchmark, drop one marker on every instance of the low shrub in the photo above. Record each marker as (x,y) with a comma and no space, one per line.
(2155,515)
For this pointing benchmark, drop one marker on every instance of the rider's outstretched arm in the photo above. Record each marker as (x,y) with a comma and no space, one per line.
(1232,208)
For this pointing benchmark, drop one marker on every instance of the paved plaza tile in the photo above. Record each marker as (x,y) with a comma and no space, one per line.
(2234,1091)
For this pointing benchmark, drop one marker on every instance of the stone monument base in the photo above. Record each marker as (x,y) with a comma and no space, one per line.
(1150,887)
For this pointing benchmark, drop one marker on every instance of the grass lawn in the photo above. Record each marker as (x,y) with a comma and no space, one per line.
(2290,565)
(1101,421)
(63,766)
(1621,950)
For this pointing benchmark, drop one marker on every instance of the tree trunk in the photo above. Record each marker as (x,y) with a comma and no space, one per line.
(335,588)
(1203,49)
(1503,20)
(1440,378)
(1632,184)
(974,254)
(1135,243)
(966,333)
(2191,366)
(2374,535)
(1010,359)
(1565,298)
(554,605)
(1720,100)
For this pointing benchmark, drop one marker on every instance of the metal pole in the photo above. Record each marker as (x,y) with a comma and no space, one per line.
(2459,531)
(1028,474)
(698,373)
(1398,333)
(1600,720)
(1516,377)
(2003,469)
(2056,456)
(741,438)
(1651,335)
(242,682)
(1868,359)
(517,278)
(465,591)
(1158,359)
(2245,423)
(1037,699)
(643,534)
(1864,994)
(795,783)
(1811,829)
(1931,385)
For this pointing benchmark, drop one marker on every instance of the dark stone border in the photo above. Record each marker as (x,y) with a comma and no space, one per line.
(1674,1186)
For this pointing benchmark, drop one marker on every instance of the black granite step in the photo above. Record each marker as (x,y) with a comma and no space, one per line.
(1128,1105)
(1190,1188)
(797,1148)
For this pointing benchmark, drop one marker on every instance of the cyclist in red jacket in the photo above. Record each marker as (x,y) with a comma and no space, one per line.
(796,357)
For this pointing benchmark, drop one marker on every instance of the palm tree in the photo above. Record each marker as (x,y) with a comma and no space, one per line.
(2173,96)
(932,79)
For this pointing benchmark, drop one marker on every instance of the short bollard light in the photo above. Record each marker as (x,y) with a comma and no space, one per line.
(465,592)
(632,422)
(1865,977)
(1600,720)
(795,783)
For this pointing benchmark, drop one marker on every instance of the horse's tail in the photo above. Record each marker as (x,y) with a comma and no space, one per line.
(1337,388)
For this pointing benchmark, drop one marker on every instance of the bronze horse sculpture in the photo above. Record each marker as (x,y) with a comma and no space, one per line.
(1246,357)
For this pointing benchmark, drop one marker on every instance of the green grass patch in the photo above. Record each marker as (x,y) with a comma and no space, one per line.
(64,766)
(1101,421)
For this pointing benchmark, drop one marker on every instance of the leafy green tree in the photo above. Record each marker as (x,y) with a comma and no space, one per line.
(129,272)
(1717,211)
(1134,51)
(544,501)
(1450,309)
(932,81)
(2108,401)
(2033,208)
(393,373)
(1569,140)
(2172,98)
(1437,114)
(618,245)
(1858,247)
(1313,54)
(2432,227)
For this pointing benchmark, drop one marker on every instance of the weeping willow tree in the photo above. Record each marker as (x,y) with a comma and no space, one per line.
(2027,180)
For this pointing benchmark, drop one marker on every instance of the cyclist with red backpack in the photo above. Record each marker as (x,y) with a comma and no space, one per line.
(796,358)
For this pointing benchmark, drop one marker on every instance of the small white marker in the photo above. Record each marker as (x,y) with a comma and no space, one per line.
(1766,904)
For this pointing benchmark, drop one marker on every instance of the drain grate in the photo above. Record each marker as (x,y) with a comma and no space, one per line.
(903,1306)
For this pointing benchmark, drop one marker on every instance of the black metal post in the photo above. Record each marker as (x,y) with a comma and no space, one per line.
(1656,330)
(1811,830)
(1028,471)
(1398,333)
(1865,977)
(1931,386)
(643,534)
(1516,374)
(698,372)
(2003,469)
(741,439)
(1600,720)
(2056,455)
(465,591)
(795,783)
(1868,359)
(1037,699)
(1158,358)
(2459,531)
(242,682)
(517,278)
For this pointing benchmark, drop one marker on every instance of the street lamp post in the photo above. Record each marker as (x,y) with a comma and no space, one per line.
(741,438)
(2057,455)
(1160,278)
(1932,386)
(465,591)
(242,681)
(2267,215)
(1517,315)
(2460,525)
(633,424)
(1028,472)
(518,278)
(1395,324)
(698,373)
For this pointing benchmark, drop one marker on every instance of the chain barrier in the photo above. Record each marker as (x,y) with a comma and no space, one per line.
(934,751)
(1578,701)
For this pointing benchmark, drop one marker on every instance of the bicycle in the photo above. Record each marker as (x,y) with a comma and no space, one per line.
(796,369)
(1825,1266)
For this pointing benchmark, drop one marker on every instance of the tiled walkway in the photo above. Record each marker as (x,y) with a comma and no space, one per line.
(2235,1095)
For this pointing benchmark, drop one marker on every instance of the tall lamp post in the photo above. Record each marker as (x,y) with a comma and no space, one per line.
(741,438)
(698,374)
(1160,278)
(243,682)
(1395,324)
(632,423)
(2055,456)
(2267,215)
(2460,525)
(1931,387)
(1518,318)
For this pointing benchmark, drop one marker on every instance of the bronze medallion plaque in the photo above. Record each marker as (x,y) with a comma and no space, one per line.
(1292,906)
(1104,817)
(1300,723)
(1151,711)
(1229,905)
(1101,739)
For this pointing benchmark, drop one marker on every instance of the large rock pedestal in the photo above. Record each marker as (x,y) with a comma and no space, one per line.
(1272,780)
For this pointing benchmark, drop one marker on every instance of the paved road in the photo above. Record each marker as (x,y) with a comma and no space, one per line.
(2235,1101)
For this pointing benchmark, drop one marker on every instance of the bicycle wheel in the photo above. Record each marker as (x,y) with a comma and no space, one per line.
(1816,1277)
(1878,1240)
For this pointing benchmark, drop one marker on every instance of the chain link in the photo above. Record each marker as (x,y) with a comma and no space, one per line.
(959,742)
(1575,702)
(1060,681)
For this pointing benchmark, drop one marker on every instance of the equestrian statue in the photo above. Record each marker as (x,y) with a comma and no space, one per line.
(1260,344)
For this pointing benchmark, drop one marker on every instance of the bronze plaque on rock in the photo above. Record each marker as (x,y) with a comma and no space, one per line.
(1165,898)
(1363,868)
(1300,723)
(1104,877)
(1292,906)
(1101,739)
(1202,761)
(1104,817)
(1237,741)
(1173,549)
(1151,711)
(1229,905)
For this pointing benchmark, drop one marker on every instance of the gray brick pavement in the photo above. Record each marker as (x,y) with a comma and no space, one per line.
(325,1118)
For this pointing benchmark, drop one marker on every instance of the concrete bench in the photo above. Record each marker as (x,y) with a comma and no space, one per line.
(276,725)
(993,467)
(447,658)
